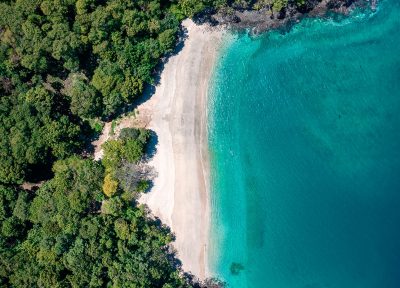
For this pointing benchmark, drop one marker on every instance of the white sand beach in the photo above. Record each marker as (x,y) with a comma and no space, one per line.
(177,113)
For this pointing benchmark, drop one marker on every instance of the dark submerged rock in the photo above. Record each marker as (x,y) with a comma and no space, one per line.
(258,21)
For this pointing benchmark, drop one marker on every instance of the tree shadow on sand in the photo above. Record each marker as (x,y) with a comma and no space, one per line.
(151,146)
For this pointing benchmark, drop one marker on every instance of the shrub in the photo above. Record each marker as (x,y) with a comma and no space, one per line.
(110,185)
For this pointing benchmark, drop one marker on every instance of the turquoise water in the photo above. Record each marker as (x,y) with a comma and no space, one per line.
(304,142)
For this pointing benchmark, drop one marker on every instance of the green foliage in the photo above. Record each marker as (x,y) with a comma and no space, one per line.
(68,236)
(278,5)
(129,147)
(143,186)
(128,38)
(110,185)
(191,7)
(96,125)
(75,187)
(33,132)
(85,100)
(120,161)
(113,153)
(108,79)
(13,228)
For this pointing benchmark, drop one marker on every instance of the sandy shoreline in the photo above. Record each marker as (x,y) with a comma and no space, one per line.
(178,116)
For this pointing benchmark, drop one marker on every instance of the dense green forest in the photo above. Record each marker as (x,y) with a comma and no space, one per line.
(68,233)
(65,66)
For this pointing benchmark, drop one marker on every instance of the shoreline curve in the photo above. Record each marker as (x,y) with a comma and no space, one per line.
(178,115)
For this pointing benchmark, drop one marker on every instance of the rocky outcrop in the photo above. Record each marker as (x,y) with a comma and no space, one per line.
(258,21)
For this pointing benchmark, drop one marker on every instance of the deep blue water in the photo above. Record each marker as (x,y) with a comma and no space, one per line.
(304,139)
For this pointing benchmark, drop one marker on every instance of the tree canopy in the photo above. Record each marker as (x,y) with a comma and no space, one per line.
(69,235)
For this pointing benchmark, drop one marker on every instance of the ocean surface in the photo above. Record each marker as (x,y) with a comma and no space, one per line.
(304,140)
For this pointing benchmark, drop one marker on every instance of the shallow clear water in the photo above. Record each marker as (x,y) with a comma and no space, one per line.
(304,142)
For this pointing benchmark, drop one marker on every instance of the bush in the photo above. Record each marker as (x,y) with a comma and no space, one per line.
(110,185)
